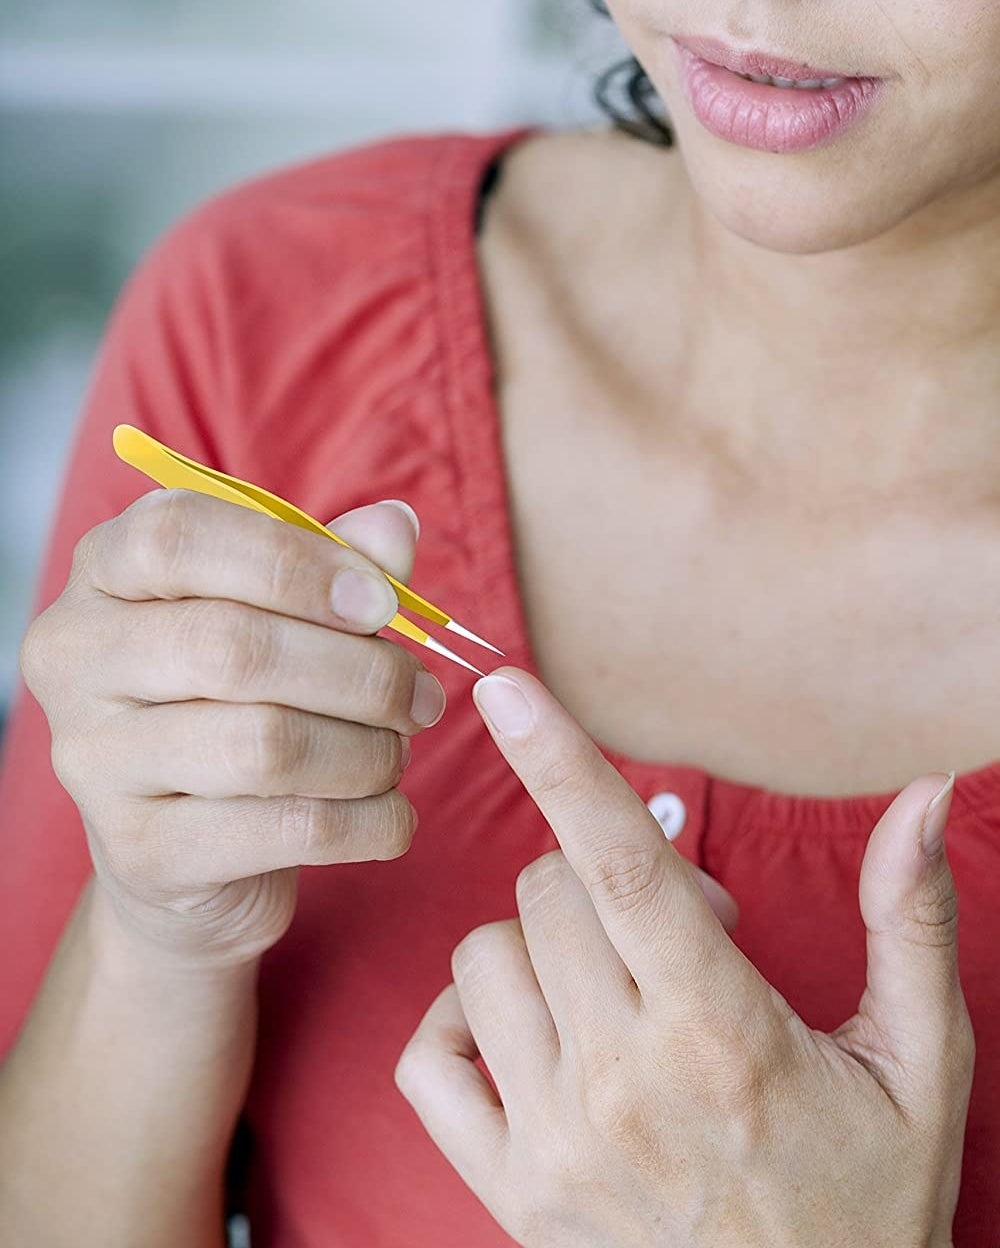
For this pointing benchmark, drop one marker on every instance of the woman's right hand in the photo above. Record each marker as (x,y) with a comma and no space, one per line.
(221,714)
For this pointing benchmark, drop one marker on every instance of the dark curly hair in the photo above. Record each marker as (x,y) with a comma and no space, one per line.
(626,94)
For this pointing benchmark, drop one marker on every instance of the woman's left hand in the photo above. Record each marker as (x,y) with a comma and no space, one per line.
(653,1088)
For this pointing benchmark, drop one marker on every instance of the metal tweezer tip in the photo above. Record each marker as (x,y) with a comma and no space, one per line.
(455,627)
(433,644)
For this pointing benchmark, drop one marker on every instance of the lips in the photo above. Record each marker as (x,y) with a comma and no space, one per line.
(796,106)
(760,63)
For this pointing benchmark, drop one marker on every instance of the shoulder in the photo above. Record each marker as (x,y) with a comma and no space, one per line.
(297,295)
(318,209)
(398,176)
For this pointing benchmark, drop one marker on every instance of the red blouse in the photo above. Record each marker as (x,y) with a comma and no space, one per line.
(321,331)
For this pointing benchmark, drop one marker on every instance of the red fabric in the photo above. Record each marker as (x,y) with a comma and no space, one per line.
(321,332)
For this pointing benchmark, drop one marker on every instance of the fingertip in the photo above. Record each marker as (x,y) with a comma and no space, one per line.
(502,703)
(408,511)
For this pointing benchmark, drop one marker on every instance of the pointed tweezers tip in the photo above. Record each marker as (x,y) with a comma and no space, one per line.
(439,648)
(455,627)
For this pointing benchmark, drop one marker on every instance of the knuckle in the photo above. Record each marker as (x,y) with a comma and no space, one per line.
(385,760)
(307,827)
(50,653)
(85,550)
(383,827)
(406,1074)
(159,532)
(616,1112)
(931,914)
(268,749)
(66,762)
(395,825)
(32,653)
(730,1076)
(567,779)
(473,955)
(286,564)
(224,645)
(387,683)
(536,881)
(626,877)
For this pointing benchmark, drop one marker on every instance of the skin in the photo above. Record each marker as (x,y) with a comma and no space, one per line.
(269,735)
(848,444)
(652,1088)
(124,1087)
(608,321)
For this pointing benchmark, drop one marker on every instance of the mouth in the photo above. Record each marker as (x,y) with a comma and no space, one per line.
(767,102)
(762,66)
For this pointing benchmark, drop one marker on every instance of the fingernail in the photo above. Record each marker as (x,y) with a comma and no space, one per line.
(429,700)
(411,514)
(936,817)
(504,705)
(363,598)
(406,752)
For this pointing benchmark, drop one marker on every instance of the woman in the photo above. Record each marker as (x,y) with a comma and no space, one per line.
(704,438)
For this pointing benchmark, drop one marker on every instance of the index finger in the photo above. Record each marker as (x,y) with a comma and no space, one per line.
(178,543)
(645,894)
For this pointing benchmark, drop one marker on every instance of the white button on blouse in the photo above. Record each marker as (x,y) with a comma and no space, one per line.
(669,812)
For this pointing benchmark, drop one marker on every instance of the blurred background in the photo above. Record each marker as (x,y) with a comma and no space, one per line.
(117,116)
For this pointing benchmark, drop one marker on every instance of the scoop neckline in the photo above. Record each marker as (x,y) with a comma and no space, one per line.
(482,481)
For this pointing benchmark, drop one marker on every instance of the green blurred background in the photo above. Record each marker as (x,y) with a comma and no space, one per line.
(116,116)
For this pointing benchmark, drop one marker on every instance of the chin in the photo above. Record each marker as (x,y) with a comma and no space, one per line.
(806,204)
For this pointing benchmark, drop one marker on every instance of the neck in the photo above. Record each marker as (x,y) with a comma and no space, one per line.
(879,362)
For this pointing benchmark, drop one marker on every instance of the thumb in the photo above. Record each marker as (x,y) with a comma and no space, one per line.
(385,532)
(913,1011)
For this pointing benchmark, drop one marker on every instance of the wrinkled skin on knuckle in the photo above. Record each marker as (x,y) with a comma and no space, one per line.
(306,827)
(244,647)
(567,780)
(396,827)
(290,574)
(731,1073)
(158,536)
(931,914)
(536,881)
(385,683)
(627,877)
(266,750)
(218,646)
(473,958)
(383,761)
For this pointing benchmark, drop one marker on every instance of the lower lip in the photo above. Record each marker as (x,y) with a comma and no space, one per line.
(772,119)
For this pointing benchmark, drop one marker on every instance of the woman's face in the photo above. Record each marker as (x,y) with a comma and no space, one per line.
(806,170)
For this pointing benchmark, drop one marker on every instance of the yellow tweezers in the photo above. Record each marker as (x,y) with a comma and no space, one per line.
(175,471)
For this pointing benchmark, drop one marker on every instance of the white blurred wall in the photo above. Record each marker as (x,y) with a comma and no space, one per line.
(117,116)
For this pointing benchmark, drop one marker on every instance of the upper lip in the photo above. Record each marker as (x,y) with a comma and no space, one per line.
(760,63)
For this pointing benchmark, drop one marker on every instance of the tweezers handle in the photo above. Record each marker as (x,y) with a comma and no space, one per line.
(175,471)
